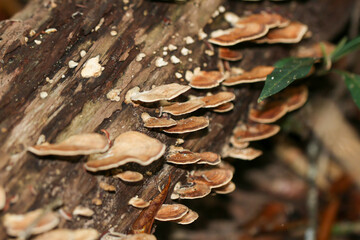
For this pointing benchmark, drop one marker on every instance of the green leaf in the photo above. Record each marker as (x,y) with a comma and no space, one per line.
(286,71)
(353,84)
(343,48)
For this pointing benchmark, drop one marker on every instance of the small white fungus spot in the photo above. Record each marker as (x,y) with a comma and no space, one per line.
(113,95)
(92,68)
(41,139)
(82,53)
(165,53)
(140,57)
(215,14)
(98,26)
(113,33)
(209,52)
(190,59)
(165,48)
(201,34)
(188,75)
(43,95)
(189,40)
(47,79)
(178,75)
(160,62)
(37,42)
(172,47)
(73,64)
(222,9)
(50,30)
(32,33)
(185,51)
(174,59)
(26,39)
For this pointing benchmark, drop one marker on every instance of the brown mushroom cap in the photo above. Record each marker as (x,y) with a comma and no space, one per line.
(128,147)
(271,20)
(268,111)
(240,34)
(130,176)
(214,178)
(209,158)
(254,131)
(153,122)
(226,189)
(196,190)
(81,144)
(293,33)
(18,224)
(244,154)
(295,97)
(69,234)
(315,50)
(206,79)
(183,157)
(190,217)
(190,124)
(229,54)
(238,144)
(257,74)
(218,99)
(138,202)
(171,212)
(226,107)
(163,92)
(2,198)
(184,108)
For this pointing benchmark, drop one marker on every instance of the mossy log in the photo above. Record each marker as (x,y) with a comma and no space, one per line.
(75,105)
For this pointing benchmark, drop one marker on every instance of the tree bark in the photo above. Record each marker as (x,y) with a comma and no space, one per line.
(76,105)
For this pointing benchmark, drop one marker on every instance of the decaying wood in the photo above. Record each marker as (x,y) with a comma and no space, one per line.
(77,105)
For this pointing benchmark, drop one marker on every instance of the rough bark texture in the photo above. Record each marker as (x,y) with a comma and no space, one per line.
(75,105)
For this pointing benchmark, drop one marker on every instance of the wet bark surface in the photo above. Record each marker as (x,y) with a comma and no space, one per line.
(76,105)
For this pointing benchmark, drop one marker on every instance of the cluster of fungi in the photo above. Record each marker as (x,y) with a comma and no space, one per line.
(208,172)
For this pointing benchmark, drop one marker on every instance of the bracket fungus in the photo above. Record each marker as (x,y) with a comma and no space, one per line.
(82,211)
(82,144)
(268,111)
(128,147)
(171,212)
(243,154)
(153,122)
(183,157)
(32,223)
(226,189)
(271,20)
(254,131)
(295,97)
(130,176)
(293,33)
(257,74)
(232,36)
(226,107)
(229,54)
(213,178)
(163,92)
(187,125)
(189,106)
(238,144)
(193,191)
(212,101)
(206,79)
(209,158)
(189,217)
(138,202)
(69,234)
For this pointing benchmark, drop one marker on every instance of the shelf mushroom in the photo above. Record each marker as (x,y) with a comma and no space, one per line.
(257,74)
(81,144)
(128,147)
